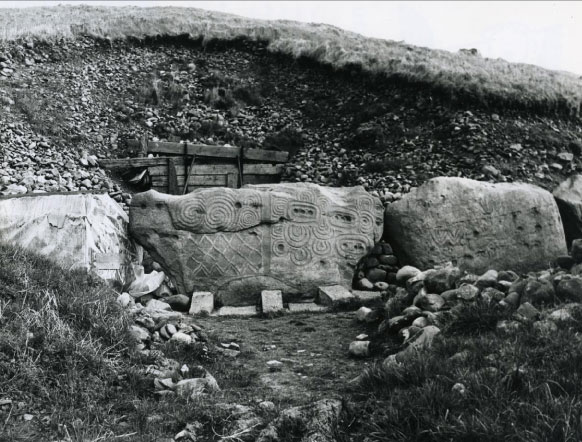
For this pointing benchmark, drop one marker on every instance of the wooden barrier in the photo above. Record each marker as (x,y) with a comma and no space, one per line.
(185,166)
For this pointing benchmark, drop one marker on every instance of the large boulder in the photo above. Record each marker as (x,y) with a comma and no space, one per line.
(86,231)
(569,198)
(236,243)
(476,225)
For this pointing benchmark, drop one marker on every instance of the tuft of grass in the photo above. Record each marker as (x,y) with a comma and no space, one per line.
(475,318)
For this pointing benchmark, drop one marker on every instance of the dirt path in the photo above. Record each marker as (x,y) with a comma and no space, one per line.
(312,347)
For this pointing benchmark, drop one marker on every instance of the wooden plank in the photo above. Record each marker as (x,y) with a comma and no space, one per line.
(143,144)
(202,150)
(263,169)
(199,169)
(127,163)
(232,180)
(269,156)
(195,180)
(205,150)
(219,169)
(172,178)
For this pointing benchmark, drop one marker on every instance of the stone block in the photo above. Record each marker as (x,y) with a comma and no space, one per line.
(201,302)
(310,307)
(271,301)
(237,311)
(333,295)
(367,298)
(478,225)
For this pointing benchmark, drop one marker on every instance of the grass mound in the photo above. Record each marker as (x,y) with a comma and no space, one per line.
(63,345)
(457,75)
(478,385)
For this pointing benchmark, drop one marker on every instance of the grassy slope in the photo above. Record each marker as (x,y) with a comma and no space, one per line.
(519,387)
(485,80)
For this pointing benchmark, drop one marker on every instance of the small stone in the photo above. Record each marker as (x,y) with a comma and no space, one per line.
(561,315)
(271,301)
(365,314)
(376,275)
(139,333)
(459,389)
(201,302)
(267,406)
(487,279)
(538,292)
(430,302)
(512,299)
(275,365)
(362,337)
(420,322)
(527,312)
(492,294)
(125,300)
(467,292)
(365,284)
(359,349)
(182,338)
(334,295)
(566,156)
(155,304)
(381,286)
(442,280)
(569,290)
(576,251)
(179,303)
(405,273)
(390,260)
(507,275)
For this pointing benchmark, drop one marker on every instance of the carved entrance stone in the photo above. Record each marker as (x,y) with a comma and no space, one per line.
(236,243)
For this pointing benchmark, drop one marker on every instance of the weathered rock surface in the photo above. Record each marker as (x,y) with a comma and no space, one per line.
(476,225)
(568,196)
(74,230)
(236,243)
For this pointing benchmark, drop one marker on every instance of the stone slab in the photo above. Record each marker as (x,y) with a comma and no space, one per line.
(310,307)
(476,225)
(292,237)
(201,302)
(236,311)
(271,301)
(87,231)
(367,298)
(332,295)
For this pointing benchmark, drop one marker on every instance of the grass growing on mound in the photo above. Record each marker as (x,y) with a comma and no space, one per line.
(63,343)
(523,387)
(464,75)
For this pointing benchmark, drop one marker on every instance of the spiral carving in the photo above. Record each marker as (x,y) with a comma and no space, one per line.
(188,214)
(248,217)
(220,212)
(367,222)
